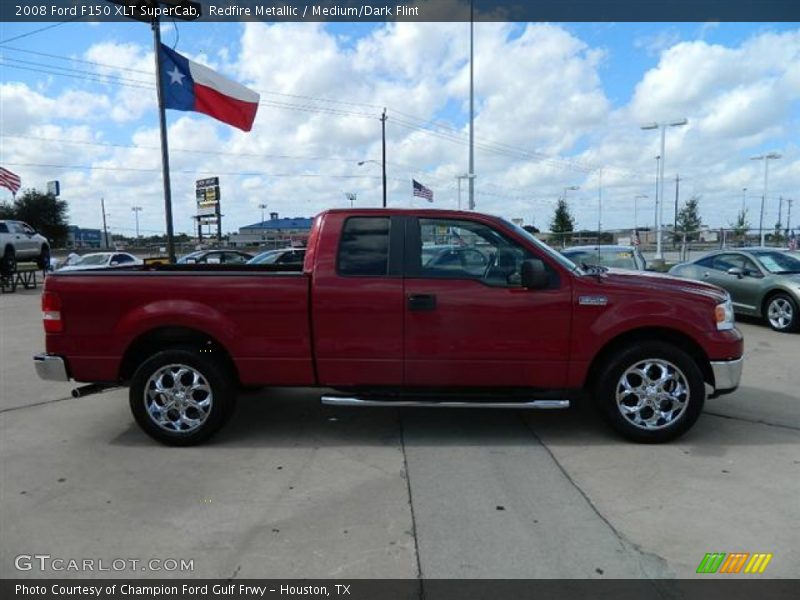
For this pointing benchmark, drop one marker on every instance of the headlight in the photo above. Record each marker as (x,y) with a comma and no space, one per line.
(723,315)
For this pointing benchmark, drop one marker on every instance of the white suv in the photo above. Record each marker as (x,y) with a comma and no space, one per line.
(19,242)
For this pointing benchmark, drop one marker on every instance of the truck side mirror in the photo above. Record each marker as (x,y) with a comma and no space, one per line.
(533,274)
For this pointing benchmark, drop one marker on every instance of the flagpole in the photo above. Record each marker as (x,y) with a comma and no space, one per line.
(164,147)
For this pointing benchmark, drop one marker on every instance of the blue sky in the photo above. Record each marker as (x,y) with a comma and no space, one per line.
(564,100)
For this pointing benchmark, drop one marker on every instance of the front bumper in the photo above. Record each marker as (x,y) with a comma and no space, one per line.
(727,374)
(50,367)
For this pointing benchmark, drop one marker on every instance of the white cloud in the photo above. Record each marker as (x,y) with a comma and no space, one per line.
(541,113)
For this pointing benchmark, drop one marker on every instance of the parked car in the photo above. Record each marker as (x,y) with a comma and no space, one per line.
(284,256)
(101,260)
(618,257)
(762,282)
(368,320)
(215,257)
(19,243)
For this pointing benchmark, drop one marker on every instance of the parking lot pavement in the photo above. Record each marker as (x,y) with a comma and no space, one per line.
(294,489)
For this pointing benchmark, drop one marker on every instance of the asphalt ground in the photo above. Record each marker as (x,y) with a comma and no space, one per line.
(293,489)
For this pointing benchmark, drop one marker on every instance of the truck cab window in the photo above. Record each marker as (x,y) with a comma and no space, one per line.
(364,247)
(468,250)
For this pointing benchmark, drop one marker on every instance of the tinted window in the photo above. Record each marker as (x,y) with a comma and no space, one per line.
(234,258)
(723,262)
(3,228)
(708,261)
(123,258)
(364,248)
(468,250)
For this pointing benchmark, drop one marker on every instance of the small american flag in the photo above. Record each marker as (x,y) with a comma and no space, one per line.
(9,180)
(422,191)
(793,241)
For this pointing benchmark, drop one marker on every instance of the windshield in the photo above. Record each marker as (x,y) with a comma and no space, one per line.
(92,260)
(779,263)
(557,256)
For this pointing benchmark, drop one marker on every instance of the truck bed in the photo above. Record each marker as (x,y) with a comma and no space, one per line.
(259,313)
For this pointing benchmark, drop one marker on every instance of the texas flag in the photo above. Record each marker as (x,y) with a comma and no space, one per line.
(187,85)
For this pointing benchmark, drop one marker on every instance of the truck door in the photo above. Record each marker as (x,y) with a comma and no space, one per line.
(469,323)
(357,301)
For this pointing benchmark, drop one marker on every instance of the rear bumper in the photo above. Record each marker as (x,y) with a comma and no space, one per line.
(727,374)
(50,367)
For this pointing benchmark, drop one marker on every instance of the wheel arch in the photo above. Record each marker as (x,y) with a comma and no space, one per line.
(661,334)
(150,342)
(769,295)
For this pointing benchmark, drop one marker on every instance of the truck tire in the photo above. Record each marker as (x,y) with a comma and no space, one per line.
(180,397)
(651,392)
(8,265)
(43,260)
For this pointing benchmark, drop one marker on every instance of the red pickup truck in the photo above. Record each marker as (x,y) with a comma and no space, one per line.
(397,308)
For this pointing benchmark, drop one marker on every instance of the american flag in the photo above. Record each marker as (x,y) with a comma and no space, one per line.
(793,241)
(636,240)
(421,191)
(9,180)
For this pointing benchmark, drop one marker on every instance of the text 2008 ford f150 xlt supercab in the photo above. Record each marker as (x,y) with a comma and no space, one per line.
(398,308)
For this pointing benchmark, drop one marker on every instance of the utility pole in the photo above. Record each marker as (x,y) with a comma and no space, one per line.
(105,228)
(677,186)
(789,215)
(383,161)
(780,210)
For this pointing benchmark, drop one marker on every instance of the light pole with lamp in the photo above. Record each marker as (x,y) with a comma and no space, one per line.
(469,176)
(263,207)
(744,198)
(660,189)
(382,165)
(352,196)
(136,210)
(766,158)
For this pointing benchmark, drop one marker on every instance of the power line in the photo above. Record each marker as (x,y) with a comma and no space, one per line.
(35,31)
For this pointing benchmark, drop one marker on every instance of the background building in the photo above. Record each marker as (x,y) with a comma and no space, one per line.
(274,233)
(83,238)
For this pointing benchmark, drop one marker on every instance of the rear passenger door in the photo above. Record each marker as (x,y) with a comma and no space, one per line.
(357,301)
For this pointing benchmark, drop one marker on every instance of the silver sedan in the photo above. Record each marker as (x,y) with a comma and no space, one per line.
(762,282)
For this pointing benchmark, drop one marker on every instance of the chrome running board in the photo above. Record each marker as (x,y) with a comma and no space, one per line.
(531,404)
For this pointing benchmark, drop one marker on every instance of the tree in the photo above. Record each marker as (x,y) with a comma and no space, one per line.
(6,211)
(45,213)
(563,223)
(740,226)
(689,222)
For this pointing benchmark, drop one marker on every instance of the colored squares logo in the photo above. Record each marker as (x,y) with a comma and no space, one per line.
(734,563)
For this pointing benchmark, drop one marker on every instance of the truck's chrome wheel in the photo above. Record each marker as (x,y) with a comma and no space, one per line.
(178,398)
(780,313)
(652,394)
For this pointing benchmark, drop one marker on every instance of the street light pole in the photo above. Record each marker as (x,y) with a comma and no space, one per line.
(383,160)
(660,194)
(136,210)
(263,207)
(469,176)
(471,106)
(352,196)
(744,198)
(766,158)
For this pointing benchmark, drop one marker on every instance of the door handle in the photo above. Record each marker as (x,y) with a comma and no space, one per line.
(422,302)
